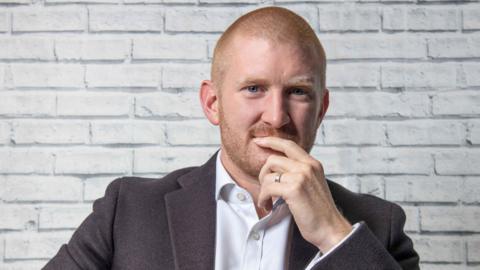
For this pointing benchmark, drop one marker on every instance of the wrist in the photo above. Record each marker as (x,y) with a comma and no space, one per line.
(334,234)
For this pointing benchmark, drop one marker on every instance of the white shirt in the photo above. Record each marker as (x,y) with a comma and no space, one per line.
(245,242)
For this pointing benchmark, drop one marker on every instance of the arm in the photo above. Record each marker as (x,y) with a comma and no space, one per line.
(362,250)
(91,246)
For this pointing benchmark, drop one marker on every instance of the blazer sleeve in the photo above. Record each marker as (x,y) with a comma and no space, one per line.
(91,246)
(362,250)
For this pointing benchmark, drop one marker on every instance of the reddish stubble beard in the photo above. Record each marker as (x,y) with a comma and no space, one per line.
(245,154)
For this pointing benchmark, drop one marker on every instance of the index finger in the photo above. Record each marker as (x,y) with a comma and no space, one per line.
(288,147)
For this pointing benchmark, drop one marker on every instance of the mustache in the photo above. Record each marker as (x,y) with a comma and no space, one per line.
(286,132)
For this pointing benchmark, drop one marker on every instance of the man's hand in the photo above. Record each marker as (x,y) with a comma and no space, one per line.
(304,189)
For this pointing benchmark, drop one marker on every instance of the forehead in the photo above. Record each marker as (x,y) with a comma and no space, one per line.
(250,55)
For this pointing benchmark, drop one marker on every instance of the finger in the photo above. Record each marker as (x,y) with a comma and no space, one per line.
(288,147)
(268,191)
(277,164)
(272,178)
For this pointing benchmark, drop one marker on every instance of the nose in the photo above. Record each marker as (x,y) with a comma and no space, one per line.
(275,110)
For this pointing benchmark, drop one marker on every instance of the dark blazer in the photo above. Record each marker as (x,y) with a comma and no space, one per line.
(169,223)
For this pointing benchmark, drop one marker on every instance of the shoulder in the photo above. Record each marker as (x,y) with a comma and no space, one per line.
(142,187)
(380,215)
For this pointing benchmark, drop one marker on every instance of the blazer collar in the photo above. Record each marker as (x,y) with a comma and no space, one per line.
(191,213)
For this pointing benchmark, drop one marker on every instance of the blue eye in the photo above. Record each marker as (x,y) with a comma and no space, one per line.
(298,91)
(252,89)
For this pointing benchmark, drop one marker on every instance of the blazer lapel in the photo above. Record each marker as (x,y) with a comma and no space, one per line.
(301,251)
(191,213)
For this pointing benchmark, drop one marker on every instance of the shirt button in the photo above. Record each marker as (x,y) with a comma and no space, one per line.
(241,197)
(255,236)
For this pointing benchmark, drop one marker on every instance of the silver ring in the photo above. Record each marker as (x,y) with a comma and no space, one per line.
(278,177)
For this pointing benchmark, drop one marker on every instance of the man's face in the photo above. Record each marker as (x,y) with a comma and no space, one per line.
(268,89)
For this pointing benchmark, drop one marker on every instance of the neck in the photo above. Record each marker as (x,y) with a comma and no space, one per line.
(244,180)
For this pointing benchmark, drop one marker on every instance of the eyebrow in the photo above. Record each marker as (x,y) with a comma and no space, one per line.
(298,80)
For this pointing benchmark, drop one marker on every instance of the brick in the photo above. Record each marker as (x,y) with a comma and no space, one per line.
(353,75)
(419,75)
(439,248)
(49,19)
(228,1)
(98,104)
(177,1)
(16,217)
(123,75)
(426,132)
(412,222)
(449,219)
(349,19)
(454,47)
(471,190)
(138,132)
(83,1)
(164,160)
(26,49)
(2,76)
(2,247)
(4,22)
(25,161)
(473,250)
(374,47)
(62,217)
(457,162)
(456,103)
(349,182)
(373,185)
(447,266)
(423,189)
(307,12)
(23,265)
(185,104)
(185,75)
(169,47)
(34,245)
(353,132)
(95,187)
(27,103)
(92,49)
(472,74)
(200,20)
(420,19)
(388,160)
(126,18)
(93,161)
(373,160)
(199,132)
(471,18)
(41,188)
(369,104)
(15,1)
(48,75)
(154,1)
(474,132)
(50,132)
(5,133)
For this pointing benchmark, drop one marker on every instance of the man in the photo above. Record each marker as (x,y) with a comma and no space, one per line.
(262,202)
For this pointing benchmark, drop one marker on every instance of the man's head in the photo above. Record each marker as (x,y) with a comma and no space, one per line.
(268,79)
(275,24)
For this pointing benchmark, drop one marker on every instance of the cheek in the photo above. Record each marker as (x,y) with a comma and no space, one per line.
(304,117)
(246,111)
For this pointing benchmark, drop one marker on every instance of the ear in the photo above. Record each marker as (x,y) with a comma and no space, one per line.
(209,101)
(323,109)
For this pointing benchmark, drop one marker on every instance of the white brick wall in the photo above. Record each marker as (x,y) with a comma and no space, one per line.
(95,89)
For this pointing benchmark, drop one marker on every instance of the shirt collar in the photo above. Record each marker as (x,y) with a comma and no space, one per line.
(222,178)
